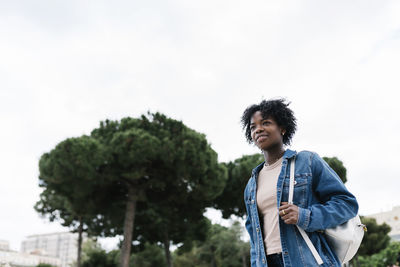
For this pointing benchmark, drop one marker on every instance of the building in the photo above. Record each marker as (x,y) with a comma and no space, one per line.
(391,218)
(4,245)
(10,258)
(62,245)
(14,258)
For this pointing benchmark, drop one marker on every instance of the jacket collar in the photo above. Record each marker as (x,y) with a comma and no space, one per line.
(287,155)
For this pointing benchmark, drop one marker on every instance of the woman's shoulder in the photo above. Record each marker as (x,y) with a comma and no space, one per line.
(306,154)
(310,157)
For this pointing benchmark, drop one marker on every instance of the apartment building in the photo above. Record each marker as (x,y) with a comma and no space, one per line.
(62,245)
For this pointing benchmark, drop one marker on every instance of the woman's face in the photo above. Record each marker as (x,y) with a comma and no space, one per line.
(265,132)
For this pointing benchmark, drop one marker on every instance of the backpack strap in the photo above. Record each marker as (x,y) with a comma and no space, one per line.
(302,232)
(291,183)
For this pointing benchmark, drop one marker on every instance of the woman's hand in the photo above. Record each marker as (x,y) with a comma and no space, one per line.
(289,213)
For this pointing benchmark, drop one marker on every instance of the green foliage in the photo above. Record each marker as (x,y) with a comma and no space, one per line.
(157,164)
(133,151)
(222,248)
(99,259)
(69,174)
(174,171)
(239,171)
(94,256)
(386,257)
(44,265)
(375,239)
(338,167)
(89,246)
(151,256)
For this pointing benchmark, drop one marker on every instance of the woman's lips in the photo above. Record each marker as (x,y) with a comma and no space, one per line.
(261,138)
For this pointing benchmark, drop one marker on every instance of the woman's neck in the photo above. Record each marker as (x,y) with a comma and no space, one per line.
(273,155)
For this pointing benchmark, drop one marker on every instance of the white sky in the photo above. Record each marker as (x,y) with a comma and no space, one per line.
(66,65)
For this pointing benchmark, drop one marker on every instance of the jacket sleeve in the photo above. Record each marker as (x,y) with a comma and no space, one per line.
(337,205)
(249,228)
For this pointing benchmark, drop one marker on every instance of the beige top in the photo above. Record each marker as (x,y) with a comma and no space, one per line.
(267,205)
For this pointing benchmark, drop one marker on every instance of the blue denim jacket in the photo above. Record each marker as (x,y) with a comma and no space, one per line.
(323,202)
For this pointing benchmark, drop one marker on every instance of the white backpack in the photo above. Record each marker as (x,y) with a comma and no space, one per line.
(344,239)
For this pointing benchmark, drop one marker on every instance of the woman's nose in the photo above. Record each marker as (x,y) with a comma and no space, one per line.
(258,129)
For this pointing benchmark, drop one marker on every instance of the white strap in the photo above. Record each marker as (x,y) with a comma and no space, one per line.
(310,245)
(302,232)
(291,183)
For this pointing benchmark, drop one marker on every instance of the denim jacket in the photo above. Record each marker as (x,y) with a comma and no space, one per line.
(323,202)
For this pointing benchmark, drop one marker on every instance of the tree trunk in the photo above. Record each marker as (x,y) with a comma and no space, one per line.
(80,231)
(128,225)
(167,252)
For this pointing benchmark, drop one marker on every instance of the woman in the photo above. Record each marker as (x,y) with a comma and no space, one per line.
(320,198)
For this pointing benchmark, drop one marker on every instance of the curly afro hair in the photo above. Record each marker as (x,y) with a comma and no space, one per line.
(278,110)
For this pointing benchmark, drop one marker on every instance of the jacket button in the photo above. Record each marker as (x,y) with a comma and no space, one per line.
(258,229)
(263,260)
(252,201)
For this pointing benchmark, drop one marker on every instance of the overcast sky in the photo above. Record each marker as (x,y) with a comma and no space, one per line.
(67,65)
